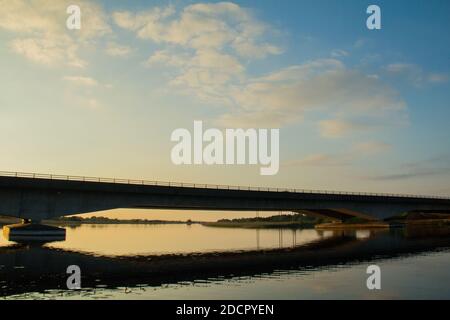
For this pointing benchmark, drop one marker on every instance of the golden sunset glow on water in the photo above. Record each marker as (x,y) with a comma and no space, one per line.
(167,239)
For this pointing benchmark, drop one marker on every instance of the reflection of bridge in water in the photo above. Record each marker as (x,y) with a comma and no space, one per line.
(31,268)
(292,232)
(37,197)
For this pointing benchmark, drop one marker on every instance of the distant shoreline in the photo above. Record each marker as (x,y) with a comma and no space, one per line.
(281,221)
(259,224)
(68,221)
(292,221)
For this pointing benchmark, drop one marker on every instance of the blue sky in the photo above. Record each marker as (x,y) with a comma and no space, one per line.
(357,109)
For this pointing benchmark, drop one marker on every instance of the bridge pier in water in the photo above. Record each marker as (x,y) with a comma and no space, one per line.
(33,231)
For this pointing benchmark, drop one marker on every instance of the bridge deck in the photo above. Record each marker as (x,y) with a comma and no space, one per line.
(42,196)
(41,176)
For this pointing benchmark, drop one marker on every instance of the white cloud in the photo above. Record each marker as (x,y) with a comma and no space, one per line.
(201,26)
(50,51)
(415,74)
(208,43)
(142,22)
(82,81)
(318,160)
(437,78)
(209,68)
(208,47)
(337,128)
(40,33)
(45,51)
(337,53)
(401,67)
(371,147)
(93,103)
(49,17)
(321,85)
(354,153)
(117,50)
(166,58)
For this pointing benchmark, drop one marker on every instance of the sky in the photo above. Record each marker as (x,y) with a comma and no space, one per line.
(357,109)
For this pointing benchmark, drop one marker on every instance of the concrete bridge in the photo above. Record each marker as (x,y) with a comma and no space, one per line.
(41,196)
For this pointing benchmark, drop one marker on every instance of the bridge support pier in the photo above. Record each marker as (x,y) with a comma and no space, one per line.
(29,231)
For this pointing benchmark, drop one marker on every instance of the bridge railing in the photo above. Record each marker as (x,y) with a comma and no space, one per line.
(202,185)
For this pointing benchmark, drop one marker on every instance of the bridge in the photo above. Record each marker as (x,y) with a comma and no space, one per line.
(36,197)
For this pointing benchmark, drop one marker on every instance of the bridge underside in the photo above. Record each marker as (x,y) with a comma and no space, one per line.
(336,214)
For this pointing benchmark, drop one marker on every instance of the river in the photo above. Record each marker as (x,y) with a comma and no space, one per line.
(177,261)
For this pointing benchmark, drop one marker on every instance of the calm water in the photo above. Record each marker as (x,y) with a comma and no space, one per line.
(196,262)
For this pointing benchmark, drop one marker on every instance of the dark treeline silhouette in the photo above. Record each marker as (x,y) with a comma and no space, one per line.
(279,218)
(105,220)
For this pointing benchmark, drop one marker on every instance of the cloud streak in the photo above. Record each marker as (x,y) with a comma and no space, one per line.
(414,74)
(410,175)
(355,152)
(82,81)
(433,166)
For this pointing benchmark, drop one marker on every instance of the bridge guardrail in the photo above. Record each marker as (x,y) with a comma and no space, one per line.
(202,185)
